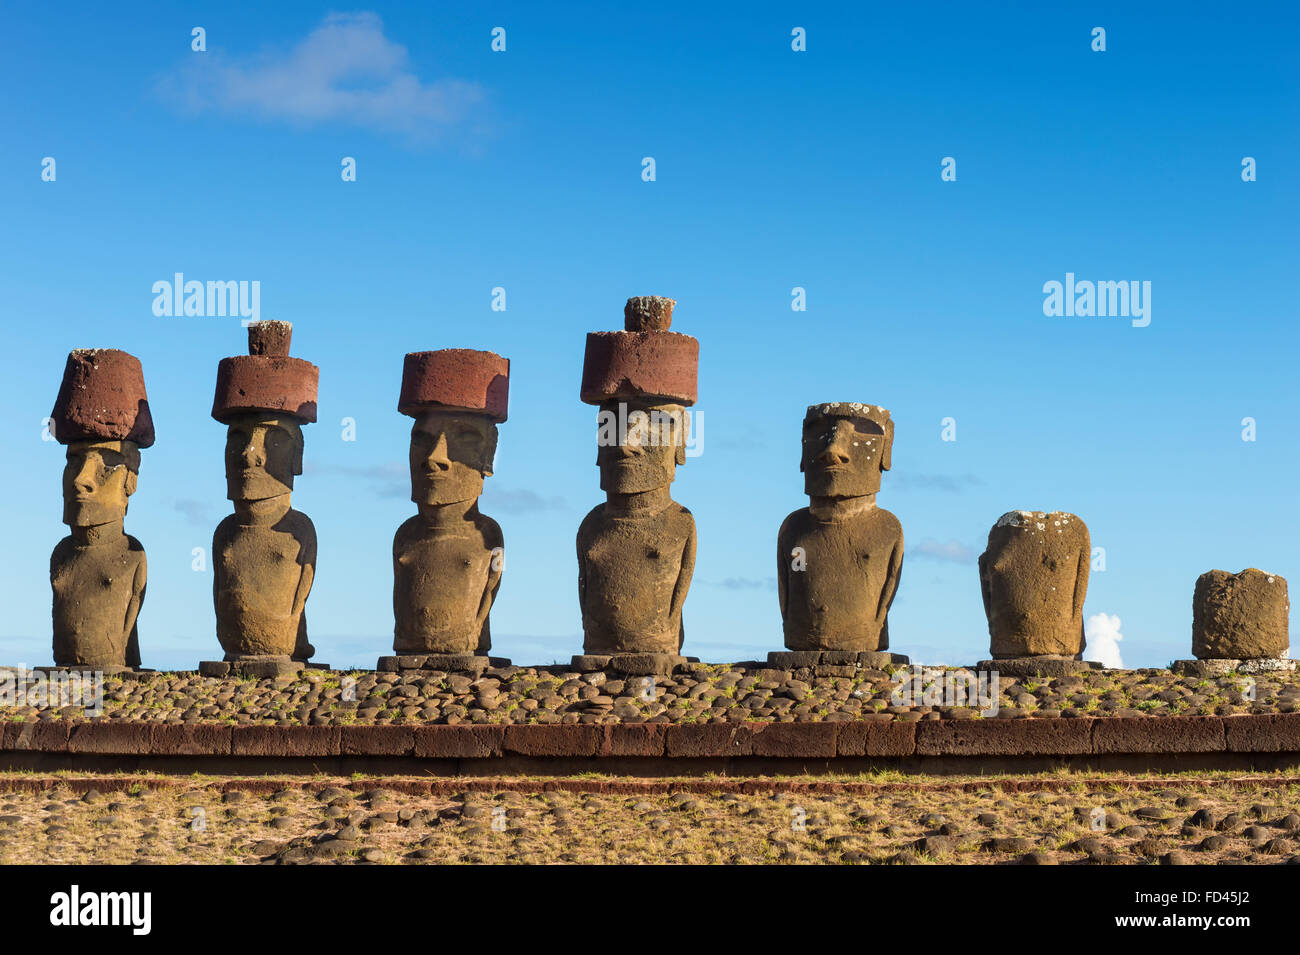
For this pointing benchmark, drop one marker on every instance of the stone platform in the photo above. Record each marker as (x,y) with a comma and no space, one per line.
(1045,665)
(446,662)
(631,664)
(1224,667)
(258,668)
(868,659)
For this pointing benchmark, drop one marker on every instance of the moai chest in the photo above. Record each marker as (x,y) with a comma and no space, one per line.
(258,570)
(632,570)
(841,577)
(93,588)
(441,578)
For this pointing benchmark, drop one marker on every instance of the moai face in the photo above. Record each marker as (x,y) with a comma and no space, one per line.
(451,453)
(639,445)
(844,454)
(263,453)
(97,480)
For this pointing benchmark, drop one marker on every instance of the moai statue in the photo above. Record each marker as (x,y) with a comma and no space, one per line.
(264,554)
(839,560)
(636,552)
(1239,624)
(448,558)
(98,571)
(1034,577)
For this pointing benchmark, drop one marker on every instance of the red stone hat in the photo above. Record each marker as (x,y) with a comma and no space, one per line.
(102,398)
(266,379)
(455,379)
(645,361)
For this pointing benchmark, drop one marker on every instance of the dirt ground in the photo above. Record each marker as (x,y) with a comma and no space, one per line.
(1051,819)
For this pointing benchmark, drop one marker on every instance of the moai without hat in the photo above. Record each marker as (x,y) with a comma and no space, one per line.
(1034,578)
(98,571)
(636,552)
(448,559)
(264,554)
(1239,624)
(840,559)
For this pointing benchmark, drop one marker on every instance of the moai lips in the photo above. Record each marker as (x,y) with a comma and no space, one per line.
(98,573)
(636,552)
(448,559)
(1034,577)
(264,554)
(1240,616)
(840,559)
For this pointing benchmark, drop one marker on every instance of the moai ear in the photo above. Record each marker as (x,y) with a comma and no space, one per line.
(682,429)
(130,483)
(489,451)
(886,459)
(297,454)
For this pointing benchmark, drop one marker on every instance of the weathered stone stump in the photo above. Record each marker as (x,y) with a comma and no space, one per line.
(1034,578)
(1239,624)
(449,558)
(264,554)
(98,572)
(636,552)
(840,559)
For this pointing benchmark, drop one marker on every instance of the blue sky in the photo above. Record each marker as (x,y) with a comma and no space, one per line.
(774,169)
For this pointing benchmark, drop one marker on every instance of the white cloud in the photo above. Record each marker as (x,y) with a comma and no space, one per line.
(344,71)
(954,551)
(1103,639)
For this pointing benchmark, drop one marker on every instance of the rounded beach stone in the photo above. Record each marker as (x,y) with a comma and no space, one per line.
(1240,616)
(102,398)
(455,379)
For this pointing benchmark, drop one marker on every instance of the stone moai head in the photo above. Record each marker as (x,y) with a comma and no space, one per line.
(264,398)
(102,415)
(1034,577)
(846,448)
(457,397)
(643,379)
(1240,616)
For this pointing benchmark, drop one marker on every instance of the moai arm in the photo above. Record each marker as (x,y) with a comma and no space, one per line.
(688,569)
(307,557)
(496,568)
(133,612)
(1081,580)
(891,582)
(984,586)
(782,570)
(582,577)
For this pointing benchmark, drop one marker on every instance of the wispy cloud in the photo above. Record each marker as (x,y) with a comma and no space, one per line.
(953,551)
(743,583)
(196,512)
(947,483)
(344,71)
(521,501)
(391,479)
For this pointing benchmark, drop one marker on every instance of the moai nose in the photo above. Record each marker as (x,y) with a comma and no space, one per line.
(439,459)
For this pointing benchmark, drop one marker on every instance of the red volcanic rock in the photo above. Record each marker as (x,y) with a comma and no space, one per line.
(455,379)
(266,379)
(102,398)
(645,361)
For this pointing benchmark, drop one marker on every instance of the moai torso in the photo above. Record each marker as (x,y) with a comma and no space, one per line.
(836,579)
(1034,577)
(445,579)
(98,590)
(263,574)
(633,576)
